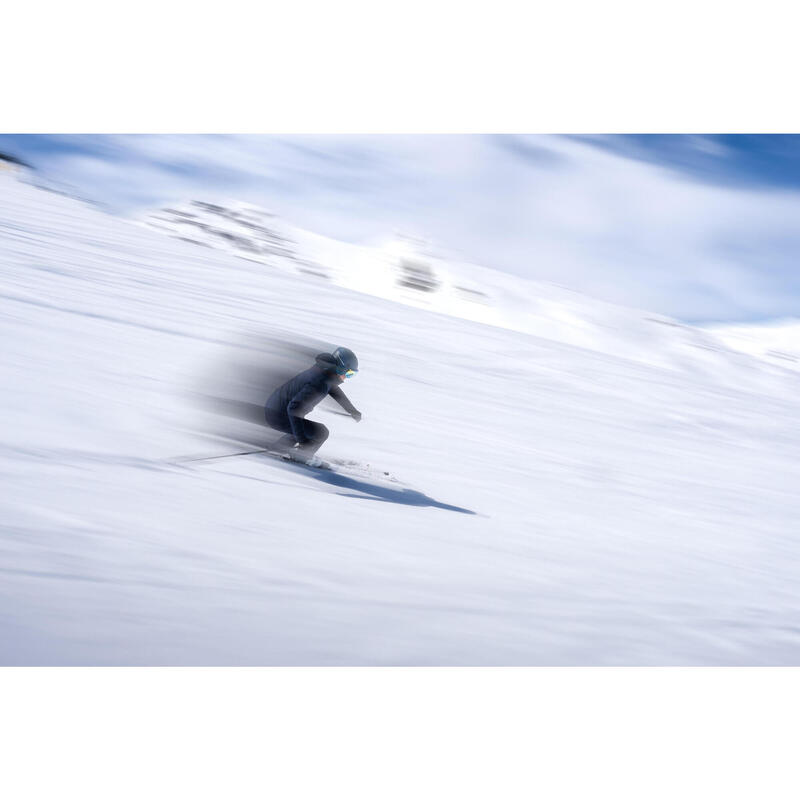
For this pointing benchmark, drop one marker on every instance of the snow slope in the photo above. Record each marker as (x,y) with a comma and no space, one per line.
(777,342)
(406,271)
(632,500)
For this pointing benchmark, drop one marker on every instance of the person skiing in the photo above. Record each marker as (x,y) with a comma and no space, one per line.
(288,405)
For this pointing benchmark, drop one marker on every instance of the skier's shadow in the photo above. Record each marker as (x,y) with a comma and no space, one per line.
(384,494)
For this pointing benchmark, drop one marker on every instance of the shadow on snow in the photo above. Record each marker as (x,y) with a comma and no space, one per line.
(375,491)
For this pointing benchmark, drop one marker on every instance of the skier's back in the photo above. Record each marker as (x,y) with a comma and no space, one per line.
(288,405)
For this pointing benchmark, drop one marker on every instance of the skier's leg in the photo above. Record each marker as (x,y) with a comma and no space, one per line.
(280,423)
(317,433)
(285,443)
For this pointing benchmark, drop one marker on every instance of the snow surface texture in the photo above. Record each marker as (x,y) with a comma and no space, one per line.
(777,342)
(617,489)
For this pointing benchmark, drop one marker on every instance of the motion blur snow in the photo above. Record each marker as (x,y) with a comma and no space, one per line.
(576,483)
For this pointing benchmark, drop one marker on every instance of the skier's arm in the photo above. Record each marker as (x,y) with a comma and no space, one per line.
(341,398)
(299,406)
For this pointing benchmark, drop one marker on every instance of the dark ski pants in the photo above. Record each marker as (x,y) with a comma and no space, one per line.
(316,433)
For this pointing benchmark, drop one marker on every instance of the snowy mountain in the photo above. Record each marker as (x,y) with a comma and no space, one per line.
(571,483)
(776,342)
(404,270)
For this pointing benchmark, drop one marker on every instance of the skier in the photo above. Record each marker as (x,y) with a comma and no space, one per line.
(288,405)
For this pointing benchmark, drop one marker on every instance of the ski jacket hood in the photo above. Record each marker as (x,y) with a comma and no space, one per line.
(326,362)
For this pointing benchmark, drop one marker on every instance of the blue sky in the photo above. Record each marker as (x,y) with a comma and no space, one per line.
(700,227)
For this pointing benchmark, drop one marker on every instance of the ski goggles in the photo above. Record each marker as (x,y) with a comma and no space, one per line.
(348,373)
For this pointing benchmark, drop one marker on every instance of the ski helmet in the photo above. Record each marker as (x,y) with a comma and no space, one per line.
(346,361)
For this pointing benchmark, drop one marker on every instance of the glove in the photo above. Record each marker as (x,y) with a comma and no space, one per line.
(356,415)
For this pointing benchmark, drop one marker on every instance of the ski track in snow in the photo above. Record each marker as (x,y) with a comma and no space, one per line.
(620,503)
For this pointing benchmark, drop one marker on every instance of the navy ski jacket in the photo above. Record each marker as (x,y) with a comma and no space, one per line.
(298,396)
